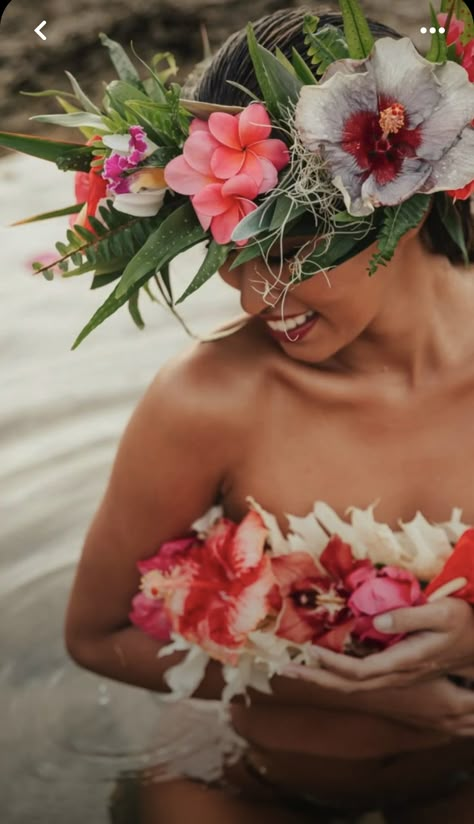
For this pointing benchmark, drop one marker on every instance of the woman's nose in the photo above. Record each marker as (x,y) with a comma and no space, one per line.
(258,291)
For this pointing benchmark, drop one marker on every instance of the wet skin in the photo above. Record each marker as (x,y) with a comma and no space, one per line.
(374,403)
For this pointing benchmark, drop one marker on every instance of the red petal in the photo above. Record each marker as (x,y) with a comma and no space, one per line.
(291,626)
(81,186)
(254,124)
(338,638)
(337,558)
(225,129)
(459,565)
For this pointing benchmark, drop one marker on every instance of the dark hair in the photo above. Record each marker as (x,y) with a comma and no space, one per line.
(284,29)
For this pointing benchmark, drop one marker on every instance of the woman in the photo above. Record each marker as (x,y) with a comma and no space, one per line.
(369,398)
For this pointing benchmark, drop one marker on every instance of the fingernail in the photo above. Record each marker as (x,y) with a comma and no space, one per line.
(384,623)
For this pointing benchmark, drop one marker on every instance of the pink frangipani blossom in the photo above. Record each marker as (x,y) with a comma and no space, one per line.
(226,163)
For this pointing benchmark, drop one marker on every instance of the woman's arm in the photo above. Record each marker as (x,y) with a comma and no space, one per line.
(171,463)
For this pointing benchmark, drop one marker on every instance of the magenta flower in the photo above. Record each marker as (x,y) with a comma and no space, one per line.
(226,163)
(377,591)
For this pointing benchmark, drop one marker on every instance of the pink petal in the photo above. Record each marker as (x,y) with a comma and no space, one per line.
(254,167)
(288,569)
(198,150)
(227,162)
(204,220)
(270,175)
(225,128)
(223,225)
(240,186)
(182,178)
(254,124)
(210,200)
(291,625)
(198,125)
(273,150)
(246,206)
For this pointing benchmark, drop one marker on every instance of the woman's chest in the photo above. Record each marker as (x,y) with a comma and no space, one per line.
(406,456)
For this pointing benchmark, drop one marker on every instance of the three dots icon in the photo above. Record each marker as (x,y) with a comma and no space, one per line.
(432,30)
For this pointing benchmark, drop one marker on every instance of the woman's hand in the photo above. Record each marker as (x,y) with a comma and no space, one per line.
(438,705)
(441,641)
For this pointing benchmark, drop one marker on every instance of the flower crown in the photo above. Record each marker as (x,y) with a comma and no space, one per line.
(348,152)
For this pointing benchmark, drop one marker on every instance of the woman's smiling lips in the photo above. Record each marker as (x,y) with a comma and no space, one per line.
(293,328)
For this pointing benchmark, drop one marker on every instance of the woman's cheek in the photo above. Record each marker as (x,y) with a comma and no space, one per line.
(231,277)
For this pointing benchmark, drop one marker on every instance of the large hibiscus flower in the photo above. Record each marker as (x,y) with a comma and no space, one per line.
(391,125)
(216,591)
(314,597)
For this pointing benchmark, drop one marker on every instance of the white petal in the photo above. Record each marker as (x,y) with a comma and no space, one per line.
(322,111)
(141,204)
(276,540)
(117,142)
(400,72)
(203,524)
(412,175)
(454,112)
(185,677)
(456,167)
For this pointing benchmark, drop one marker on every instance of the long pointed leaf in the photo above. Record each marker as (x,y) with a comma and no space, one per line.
(438,49)
(67,210)
(397,220)
(123,65)
(81,96)
(358,36)
(108,308)
(215,257)
(41,147)
(178,232)
(452,222)
(72,121)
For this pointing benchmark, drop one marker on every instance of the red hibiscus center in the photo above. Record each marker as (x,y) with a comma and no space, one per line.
(379,141)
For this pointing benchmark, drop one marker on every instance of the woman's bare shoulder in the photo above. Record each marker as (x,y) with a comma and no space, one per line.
(216,378)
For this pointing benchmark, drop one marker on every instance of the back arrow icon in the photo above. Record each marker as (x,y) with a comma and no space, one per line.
(39,32)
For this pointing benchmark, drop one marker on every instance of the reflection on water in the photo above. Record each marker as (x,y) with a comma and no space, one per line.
(67,736)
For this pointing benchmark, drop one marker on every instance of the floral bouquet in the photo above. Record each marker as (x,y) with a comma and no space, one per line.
(347,143)
(245,595)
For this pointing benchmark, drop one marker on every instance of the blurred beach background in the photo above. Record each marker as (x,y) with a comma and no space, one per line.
(67,735)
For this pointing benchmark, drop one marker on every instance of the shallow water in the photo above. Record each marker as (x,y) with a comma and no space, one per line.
(67,735)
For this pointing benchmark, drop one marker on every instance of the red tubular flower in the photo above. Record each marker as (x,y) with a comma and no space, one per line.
(459,565)
(89,188)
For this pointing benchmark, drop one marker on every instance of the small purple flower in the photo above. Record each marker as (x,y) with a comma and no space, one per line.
(128,151)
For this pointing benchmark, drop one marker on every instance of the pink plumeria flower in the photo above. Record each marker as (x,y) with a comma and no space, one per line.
(226,163)
(390,126)
(140,193)
(221,206)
